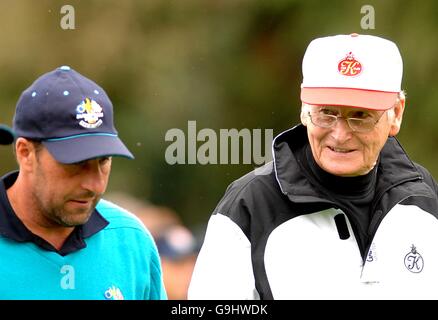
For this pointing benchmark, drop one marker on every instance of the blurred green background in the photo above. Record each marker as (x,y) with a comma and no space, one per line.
(222,63)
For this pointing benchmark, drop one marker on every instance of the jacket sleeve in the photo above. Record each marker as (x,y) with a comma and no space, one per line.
(223,269)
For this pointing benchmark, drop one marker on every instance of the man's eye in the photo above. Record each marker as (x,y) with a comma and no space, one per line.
(327,112)
(104,160)
(360,115)
(80,164)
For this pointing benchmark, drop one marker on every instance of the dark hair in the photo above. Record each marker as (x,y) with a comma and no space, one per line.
(36,144)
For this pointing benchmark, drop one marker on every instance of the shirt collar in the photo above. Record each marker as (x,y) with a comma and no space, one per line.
(12,227)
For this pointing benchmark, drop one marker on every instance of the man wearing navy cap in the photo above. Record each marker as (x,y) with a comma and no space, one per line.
(59,239)
(342,212)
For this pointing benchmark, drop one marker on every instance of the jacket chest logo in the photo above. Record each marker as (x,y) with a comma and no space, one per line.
(372,253)
(414,261)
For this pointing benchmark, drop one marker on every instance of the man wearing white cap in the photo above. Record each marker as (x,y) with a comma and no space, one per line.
(342,212)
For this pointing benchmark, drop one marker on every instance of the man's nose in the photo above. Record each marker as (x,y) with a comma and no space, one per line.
(341,131)
(94,177)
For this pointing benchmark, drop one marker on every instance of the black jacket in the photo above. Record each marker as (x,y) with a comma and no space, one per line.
(275,236)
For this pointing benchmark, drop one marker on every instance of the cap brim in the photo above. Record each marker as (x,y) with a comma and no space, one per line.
(80,148)
(6,135)
(358,98)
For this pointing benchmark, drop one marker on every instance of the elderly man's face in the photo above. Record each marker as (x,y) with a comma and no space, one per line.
(343,152)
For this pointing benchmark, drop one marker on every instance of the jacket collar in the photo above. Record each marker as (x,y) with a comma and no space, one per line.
(394,167)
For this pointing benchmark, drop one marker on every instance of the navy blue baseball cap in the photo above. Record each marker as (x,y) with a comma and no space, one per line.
(71,115)
(6,135)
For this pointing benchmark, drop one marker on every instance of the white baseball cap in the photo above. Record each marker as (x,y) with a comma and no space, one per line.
(353,70)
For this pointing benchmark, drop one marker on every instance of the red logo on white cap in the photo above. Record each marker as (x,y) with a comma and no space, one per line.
(349,66)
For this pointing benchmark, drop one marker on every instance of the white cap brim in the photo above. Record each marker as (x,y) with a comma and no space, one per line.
(358,98)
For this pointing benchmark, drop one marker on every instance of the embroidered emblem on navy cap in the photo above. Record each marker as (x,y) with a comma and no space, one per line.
(89,112)
(414,261)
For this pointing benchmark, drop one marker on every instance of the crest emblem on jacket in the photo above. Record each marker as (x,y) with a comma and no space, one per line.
(414,261)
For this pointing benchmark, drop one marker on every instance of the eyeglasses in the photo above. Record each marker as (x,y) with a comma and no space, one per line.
(362,125)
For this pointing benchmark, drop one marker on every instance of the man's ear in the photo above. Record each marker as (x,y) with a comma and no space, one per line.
(396,121)
(26,154)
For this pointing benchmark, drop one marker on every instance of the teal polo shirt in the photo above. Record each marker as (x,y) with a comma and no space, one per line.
(111,257)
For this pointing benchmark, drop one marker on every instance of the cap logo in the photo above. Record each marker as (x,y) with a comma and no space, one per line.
(349,66)
(89,112)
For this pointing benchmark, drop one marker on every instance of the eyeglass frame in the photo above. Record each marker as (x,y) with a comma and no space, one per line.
(347,120)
